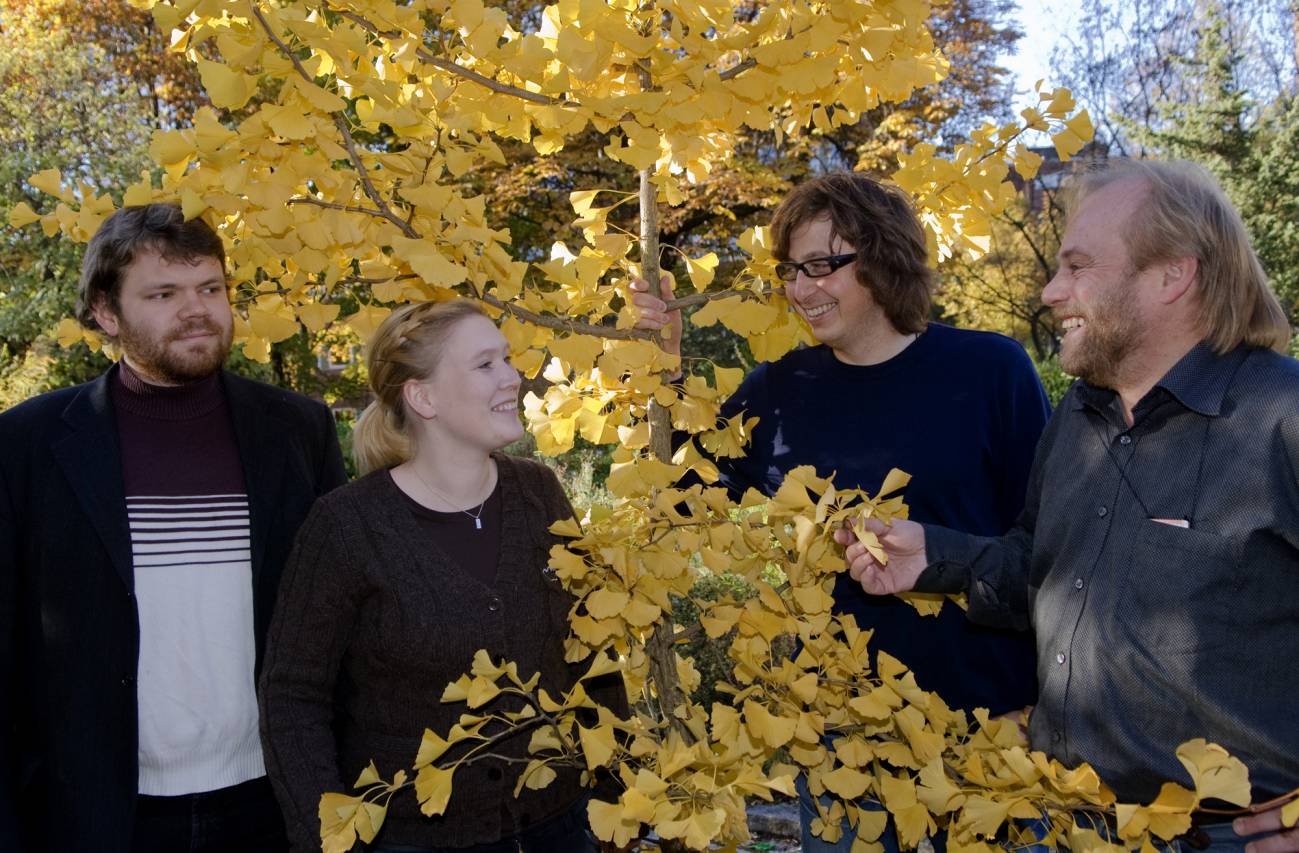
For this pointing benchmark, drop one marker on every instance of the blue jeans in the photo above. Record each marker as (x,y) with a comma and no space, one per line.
(814,844)
(564,833)
(243,818)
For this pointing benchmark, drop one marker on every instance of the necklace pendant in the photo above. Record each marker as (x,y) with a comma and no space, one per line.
(478,524)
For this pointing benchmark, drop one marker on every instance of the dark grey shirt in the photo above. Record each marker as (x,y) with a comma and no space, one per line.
(1152,633)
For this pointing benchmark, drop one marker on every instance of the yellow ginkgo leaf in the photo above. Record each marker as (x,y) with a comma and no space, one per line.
(535,776)
(606,603)
(366,320)
(369,776)
(433,789)
(228,89)
(21,215)
(598,745)
(701,270)
(317,315)
(51,181)
(610,823)
(1215,772)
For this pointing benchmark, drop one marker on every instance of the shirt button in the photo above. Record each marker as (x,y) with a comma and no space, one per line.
(494,773)
(1125,440)
(1056,737)
(494,605)
(1102,511)
(1059,658)
(129,681)
(1078,583)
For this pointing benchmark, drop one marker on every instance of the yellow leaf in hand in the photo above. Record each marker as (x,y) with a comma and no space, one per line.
(896,479)
(871,542)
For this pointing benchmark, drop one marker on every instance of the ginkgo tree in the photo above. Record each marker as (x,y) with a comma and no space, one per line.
(334,165)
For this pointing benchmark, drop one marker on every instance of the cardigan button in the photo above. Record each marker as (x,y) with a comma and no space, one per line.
(494,605)
(494,773)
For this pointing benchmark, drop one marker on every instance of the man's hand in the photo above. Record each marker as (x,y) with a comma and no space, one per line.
(1267,822)
(653,314)
(903,542)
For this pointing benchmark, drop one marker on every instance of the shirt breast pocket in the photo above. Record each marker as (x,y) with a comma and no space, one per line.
(1181,589)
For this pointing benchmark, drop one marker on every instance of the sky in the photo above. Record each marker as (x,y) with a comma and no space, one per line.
(1042,22)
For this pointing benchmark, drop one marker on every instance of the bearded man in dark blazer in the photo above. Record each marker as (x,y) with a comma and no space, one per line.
(144,521)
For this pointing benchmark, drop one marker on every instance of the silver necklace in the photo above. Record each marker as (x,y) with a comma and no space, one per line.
(476,516)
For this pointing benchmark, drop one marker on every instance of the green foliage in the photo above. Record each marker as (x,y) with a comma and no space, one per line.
(45,366)
(1054,379)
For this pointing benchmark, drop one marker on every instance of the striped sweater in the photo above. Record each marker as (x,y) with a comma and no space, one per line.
(188,511)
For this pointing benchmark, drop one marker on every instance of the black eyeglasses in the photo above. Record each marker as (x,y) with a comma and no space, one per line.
(813,267)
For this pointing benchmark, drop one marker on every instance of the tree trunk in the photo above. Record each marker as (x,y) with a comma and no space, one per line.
(663,668)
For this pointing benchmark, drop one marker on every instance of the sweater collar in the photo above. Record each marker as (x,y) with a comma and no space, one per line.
(133,394)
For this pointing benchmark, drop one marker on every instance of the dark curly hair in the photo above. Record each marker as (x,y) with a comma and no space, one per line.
(880,224)
(151,227)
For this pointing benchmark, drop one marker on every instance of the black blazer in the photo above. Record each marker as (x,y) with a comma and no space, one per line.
(69,632)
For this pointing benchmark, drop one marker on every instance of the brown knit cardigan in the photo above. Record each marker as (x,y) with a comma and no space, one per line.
(371,624)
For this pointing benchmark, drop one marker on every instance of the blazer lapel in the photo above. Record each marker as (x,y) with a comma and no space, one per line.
(91,460)
(259,431)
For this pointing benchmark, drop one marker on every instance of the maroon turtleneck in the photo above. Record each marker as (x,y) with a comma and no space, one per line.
(175,440)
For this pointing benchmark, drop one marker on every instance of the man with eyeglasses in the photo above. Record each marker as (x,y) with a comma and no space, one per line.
(959,410)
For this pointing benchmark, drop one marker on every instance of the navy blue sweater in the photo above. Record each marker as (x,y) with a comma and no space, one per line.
(961,411)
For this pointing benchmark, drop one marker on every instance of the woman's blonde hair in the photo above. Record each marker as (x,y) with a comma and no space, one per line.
(406,346)
(1186,214)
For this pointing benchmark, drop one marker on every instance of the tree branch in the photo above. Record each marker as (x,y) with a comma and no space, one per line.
(339,122)
(454,67)
(369,211)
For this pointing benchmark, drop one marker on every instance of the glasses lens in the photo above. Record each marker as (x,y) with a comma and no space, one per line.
(818,267)
(786,271)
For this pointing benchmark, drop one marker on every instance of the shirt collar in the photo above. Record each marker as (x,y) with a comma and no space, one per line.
(1199,381)
(1201,378)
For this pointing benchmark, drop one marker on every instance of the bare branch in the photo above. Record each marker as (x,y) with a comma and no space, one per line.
(737,70)
(369,211)
(562,325)
(366,184)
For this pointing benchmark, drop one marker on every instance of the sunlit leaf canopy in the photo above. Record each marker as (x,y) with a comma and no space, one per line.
(335,165)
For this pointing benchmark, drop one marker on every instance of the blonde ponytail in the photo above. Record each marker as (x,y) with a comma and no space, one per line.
(378,441)
(406,346)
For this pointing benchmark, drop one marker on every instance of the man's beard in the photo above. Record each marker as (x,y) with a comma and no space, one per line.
(188,363)
(1111,334)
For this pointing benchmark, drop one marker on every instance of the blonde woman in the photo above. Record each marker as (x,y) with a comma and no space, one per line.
(438,550)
